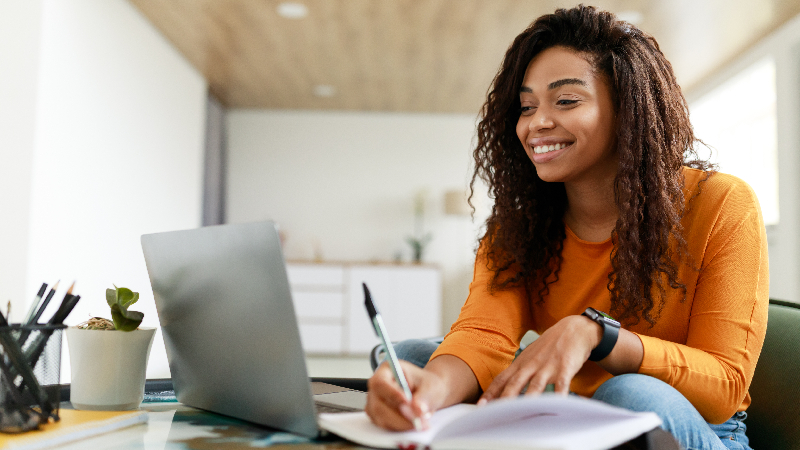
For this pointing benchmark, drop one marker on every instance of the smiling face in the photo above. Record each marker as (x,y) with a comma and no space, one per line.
(566,122)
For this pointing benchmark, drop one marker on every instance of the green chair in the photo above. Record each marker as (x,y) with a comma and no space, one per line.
(773,420)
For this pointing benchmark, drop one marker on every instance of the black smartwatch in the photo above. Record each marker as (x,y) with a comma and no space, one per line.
(610,333)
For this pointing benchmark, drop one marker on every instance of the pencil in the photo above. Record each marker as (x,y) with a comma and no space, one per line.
(35,304)
(36,349)
(47,299)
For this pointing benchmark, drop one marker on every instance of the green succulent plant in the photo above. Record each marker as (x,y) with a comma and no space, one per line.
(119,300)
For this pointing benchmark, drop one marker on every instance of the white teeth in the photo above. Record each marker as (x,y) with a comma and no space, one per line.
(548,148)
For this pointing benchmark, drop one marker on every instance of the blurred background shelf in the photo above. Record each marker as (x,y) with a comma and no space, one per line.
(329,303)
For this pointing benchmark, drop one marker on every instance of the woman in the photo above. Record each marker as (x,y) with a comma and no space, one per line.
(583,143)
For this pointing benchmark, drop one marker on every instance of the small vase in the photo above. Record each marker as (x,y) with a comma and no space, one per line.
(108,367)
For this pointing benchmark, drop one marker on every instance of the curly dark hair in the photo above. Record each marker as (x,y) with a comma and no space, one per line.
(525,231)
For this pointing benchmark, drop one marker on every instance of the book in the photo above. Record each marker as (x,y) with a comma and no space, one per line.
(72,426)
(546,422)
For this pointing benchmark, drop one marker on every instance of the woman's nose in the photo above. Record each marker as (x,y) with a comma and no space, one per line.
(541,120)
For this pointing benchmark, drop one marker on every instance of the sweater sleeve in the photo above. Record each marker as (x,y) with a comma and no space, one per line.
(728,316)
(489,328)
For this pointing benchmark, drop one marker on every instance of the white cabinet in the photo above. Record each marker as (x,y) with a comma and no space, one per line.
(408,298)
(329,303)
(319,296)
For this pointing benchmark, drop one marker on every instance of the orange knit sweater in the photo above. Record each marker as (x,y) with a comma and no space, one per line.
(706,346)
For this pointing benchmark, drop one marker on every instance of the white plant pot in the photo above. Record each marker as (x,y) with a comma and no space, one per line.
(108,367)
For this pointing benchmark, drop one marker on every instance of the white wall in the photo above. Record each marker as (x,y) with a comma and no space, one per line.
(118,152)
(784,239)
(20,32)
(344,183)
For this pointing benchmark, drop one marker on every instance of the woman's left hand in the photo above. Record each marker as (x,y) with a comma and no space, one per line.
(554,358)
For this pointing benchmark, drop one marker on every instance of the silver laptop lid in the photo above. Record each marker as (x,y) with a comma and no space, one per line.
(228,322)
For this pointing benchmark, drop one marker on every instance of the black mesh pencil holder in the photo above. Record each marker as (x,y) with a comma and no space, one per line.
(30,371)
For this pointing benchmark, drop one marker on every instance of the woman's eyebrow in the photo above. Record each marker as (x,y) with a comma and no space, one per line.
(562,82)
(557,84)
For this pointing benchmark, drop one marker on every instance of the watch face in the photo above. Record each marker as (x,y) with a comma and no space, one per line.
(609,319)
(595,314)
(605,315)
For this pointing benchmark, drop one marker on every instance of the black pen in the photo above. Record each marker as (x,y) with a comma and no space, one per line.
(64,309)
(380,330)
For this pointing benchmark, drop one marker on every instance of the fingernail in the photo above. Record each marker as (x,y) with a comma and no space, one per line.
(481,402)
(405,410)
(426,411)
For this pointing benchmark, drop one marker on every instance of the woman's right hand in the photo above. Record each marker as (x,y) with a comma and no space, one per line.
(389,408)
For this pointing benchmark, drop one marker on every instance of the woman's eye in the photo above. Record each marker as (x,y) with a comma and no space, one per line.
(566,102)
(527,110)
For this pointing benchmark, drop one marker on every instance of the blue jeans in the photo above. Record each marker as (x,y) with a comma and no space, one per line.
(639,393)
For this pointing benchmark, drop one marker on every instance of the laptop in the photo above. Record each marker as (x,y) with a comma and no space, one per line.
(229,327)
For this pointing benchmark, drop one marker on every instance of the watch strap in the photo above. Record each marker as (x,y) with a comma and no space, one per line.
(609,339)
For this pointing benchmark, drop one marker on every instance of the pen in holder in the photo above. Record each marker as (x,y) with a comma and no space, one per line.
(30,370)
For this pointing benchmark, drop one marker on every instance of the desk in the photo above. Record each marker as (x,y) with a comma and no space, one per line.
(173,426)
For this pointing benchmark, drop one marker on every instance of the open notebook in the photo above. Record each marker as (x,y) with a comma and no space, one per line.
(550,421)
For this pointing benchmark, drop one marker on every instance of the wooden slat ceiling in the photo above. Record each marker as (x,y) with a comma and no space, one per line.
(418,55)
